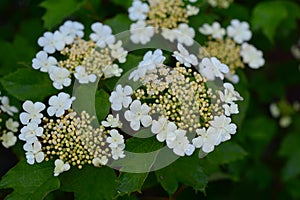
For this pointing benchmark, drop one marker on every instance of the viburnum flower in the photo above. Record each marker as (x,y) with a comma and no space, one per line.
(73,29)
(102,35)
(53,41)
(32,112)
(115,139)
(118,152)
(12,125)
(169,34)
(184,57)
(211,68)
(34,153)
(164,129)
(138,114)
(5,107)
(118,52)
(112,70)
(121,97)
(180,144)
(60,167)
(83,77)
(60,77)
(97,162)
(252,56)
(30,132)
(138,10)
(112,121)
(185,34)
(234,78)
(192,10)
(207,139)
(239,31)
(139,33)
(43,62)
(59,104)
(229,95)
(232,108)
(215,30)
(224,126)
(8,139)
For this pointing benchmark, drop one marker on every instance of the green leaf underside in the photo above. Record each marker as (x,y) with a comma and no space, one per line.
(32,182)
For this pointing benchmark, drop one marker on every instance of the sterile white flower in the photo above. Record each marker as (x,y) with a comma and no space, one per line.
(184,57)
(60,77)
(115,139)
(285,121)
(274,109)
(43,62)
(185,34)
(8,139)
(232,108)
(234,78)
(140,33)
(164,129)
(118,52)
(224,127)
(60,167)
(30,132)
(98,162)
(252,56)
(207,139)
(138,114)
(112,70)
(112,121)
(34,153)
(121,97)
(32,112)
(5,107)
(12,125)
(180,145)
(169,34)
(59,104)
(215,30)
(192,10)
(102,35)
(229,95)
(239,31)
(72,28)
(118,152)
(52,41)
(138,10)
(211,68)
(83,77)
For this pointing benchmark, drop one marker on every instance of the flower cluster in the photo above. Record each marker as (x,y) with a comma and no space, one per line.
(7,112)
(233,50)
(69,137)
(169,16)
(178,103)
(86,60)
(220,3)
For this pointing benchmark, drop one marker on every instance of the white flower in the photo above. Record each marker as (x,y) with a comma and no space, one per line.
(43,62)
(5,107)
(83,77)
(192,10)
(102,35)
(12,125)
(121,97)
(207,139)
(215,30)
(181,144)
(234,78)
(72,28)
(53,41)
(285,121)
(232,108)
(115,139)
(112,70)
(229,95)
(118,152)
(60,167)
(137,114)
(30,132)
(112,122)
(193,1)
(164,129)
(32,113)
(118,52)
(98,162)
(224,127)
(60,77)
(169,34)
(274,109)
(239,31)
(184,57)
(185,34)
(59,104)
(8,139)
(212,67)
(252,56)
(140,33)
(34,152)
(138,10)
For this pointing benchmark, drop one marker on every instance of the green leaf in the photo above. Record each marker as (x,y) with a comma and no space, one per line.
(125,4)
(56,11)
(226,153)
(30,181)
(186,170)
(267,16)
(28,84)
(102,104)
(291,169)
(131,182)
(119,23)
(90,183)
